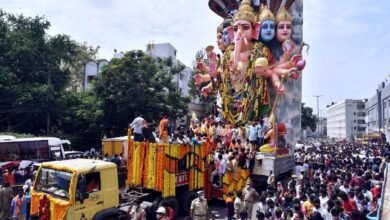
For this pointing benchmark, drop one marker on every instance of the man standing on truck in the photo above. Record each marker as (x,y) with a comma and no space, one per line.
(261,132)
(163,129)
(137,125)
(199,207)
(271,179)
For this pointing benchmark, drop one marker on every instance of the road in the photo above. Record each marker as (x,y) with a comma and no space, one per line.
(215,206)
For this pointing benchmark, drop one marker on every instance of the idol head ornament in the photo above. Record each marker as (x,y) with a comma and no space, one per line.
(244,30)
(284,26)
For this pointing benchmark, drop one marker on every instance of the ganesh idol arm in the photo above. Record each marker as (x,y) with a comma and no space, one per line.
(201,78)
(206,91)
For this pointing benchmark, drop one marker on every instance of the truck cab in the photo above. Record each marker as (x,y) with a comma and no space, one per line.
(76,187)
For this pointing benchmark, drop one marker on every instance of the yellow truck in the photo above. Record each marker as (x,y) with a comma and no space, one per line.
(70,188)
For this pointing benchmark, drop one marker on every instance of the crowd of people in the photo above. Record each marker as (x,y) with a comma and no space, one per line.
(330,182)
(249,136)
(15,185)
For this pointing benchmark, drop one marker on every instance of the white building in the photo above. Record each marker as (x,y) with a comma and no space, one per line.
(91,69)
(378,111)
(166,50)
(346,119)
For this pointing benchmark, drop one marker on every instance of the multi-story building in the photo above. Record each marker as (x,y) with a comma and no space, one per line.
(166,50)
(346,119)
(91,69)
(378,111)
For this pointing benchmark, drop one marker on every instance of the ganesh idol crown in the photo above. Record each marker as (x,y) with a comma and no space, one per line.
(256,74)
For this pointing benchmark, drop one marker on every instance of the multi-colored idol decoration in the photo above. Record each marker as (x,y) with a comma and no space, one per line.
(256,74)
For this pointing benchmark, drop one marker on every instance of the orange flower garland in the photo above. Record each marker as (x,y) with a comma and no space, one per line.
(58,207)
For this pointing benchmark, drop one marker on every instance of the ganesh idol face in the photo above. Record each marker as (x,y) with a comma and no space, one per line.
(242,31)
(283,31)
(267,32)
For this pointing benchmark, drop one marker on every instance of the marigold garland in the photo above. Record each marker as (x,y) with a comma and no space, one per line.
(58,207)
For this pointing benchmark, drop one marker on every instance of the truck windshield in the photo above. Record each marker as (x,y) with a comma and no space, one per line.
(54,182)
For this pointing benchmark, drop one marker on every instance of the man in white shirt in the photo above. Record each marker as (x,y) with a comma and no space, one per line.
(137,125)
(261,132)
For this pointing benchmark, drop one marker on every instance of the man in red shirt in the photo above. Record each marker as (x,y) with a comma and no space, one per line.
(9,177)
(348,204)
(376,190)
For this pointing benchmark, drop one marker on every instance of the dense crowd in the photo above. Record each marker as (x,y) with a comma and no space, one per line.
(331,182)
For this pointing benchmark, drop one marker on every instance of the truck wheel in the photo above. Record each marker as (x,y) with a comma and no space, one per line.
(173,203)
(108,214)
(185,201)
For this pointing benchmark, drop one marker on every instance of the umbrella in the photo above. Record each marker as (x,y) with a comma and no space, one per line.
(25,163)
(9,164)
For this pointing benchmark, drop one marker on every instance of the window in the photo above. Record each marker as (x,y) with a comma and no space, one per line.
(361,129)
(93,182)
(28,151)
(53,182)
(90,78)
(43,150)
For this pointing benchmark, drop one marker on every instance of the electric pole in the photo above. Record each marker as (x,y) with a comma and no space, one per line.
(318,114)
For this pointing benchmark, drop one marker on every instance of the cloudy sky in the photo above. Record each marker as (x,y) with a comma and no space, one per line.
(349,40)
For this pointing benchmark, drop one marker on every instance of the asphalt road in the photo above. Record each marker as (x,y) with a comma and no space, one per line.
(215,206)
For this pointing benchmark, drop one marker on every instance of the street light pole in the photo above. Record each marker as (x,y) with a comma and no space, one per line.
(318,113)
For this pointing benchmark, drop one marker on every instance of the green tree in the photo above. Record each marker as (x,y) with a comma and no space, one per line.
(35,70)
(138,82)
(307,118)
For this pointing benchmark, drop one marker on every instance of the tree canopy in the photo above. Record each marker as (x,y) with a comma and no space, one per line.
(308,119)
(138,83)
(34,73)
(40,73)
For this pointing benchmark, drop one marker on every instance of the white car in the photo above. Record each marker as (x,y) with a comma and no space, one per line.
(73,154)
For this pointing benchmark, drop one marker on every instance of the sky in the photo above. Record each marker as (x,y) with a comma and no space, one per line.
(349,40)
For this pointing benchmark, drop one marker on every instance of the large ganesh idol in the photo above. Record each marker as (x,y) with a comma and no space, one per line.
(245,96)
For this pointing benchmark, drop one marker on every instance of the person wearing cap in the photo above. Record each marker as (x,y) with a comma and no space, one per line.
(161,214)
(249,195)
(199,207)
